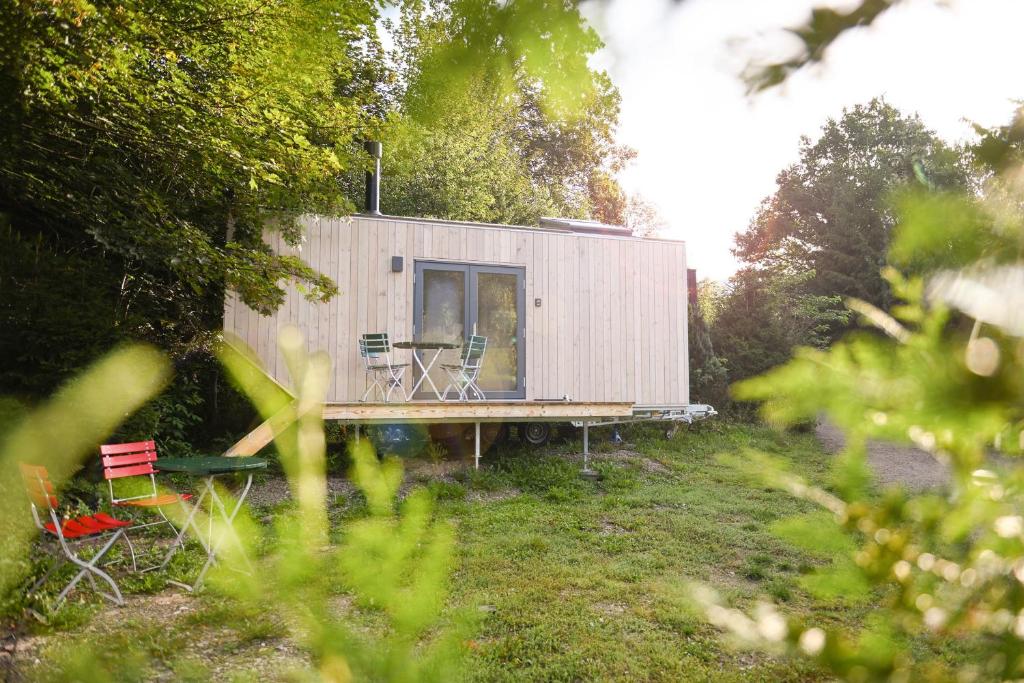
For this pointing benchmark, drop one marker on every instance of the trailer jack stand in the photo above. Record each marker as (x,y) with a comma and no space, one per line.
(586,472)
(476,445)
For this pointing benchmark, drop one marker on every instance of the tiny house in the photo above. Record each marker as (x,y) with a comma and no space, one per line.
(585,322)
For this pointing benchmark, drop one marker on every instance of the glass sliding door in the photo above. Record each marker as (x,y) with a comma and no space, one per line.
(441,315)
(453,299)
(496,308)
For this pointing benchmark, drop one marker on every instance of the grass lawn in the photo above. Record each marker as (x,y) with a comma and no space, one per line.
(574,580)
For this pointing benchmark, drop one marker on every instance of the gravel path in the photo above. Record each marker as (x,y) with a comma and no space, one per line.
(891,463)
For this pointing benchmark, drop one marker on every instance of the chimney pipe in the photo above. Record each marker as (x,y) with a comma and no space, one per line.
(373,179)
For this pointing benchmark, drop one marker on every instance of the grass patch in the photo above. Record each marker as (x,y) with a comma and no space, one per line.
(588,579)
(577,579)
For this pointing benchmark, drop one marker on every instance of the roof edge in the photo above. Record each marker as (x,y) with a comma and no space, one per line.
(625,234)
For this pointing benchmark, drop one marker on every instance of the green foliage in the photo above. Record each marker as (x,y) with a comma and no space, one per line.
(709,299)
(493,137)
(948,565)
(821,30)
(824,235)
(394,564)
(144,149)
(149,132)
(762,317)
(533,44)
(435,452)
(819,534)
(708,383)
(464,168)
(82,413)
(58,309)
(831,215)
(169,419)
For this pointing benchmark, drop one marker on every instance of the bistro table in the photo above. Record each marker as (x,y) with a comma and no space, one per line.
(208,468)
(437,347)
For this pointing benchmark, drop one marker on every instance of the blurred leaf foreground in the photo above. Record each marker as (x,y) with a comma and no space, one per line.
(394,562)
(944,370)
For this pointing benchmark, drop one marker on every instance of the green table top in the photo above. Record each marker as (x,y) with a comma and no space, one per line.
(211,464)
(424,345)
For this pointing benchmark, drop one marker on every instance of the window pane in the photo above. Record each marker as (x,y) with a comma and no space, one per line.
(498,320)
(444,315)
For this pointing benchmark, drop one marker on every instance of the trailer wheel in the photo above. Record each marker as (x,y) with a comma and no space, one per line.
(534,433)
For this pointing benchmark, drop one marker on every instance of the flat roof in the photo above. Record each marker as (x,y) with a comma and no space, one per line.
(584,226)
(560,226)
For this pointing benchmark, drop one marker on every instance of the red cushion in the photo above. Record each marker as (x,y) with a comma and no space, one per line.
(70,528)
(110,521)
(86,525)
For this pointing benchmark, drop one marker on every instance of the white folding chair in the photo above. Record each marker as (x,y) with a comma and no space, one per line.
(463,377)
(383,375)
(71,532)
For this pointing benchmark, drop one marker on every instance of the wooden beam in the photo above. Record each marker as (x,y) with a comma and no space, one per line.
(489,411)
(259,438)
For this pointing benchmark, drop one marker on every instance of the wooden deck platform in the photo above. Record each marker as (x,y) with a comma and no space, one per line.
(473,411)
(433,412)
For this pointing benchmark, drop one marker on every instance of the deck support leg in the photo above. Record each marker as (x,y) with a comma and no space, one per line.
(357,434)
(587,473)
(476,445)
(586,445)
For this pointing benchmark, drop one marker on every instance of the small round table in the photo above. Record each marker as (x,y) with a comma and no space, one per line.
(437,347)
(207,468)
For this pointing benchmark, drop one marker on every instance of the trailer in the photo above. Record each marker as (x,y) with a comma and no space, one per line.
(586,323)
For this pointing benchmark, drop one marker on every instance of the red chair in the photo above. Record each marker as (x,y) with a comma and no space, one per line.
(70,532)
(121,460)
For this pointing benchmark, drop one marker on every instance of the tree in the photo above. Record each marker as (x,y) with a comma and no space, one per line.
(708,373)
(642,217)
(831,215)
(710,294)
(488,140)
(463,168)
(148,131)
(762,317)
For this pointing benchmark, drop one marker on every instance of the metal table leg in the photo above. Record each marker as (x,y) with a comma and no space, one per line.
(229,519)
(425,373)
(179,540)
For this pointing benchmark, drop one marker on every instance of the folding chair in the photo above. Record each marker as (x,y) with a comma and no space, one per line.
(375,350)
(121,460)
(464,375)
(71,532)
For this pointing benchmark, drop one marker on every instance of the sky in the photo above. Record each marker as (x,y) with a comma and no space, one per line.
(708,153)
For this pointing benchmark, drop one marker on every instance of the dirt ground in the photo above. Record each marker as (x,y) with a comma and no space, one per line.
(891,463)
(215,652)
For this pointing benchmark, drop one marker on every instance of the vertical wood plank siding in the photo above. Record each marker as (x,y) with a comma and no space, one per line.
(611,325)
